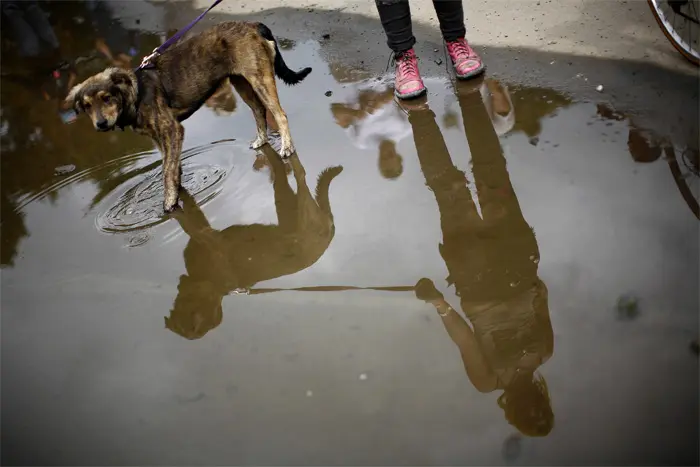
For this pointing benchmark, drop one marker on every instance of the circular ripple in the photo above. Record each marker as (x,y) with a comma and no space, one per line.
(142,205)
(139,204)
(111,166)
(138,239)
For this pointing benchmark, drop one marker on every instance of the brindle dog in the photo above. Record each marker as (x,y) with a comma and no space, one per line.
(156,99)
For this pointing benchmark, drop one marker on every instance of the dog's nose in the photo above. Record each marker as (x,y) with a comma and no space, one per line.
(102,124)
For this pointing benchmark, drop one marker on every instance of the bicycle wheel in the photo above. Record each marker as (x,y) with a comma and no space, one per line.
(679,21)
(685,168)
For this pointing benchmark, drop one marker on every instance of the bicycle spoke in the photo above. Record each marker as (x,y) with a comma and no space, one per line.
(667,13)
(690,32)
(674,22)
(691,44)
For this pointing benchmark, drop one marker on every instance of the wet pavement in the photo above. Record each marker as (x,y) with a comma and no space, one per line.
(275,320)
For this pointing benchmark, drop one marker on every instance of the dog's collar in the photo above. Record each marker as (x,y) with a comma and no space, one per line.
(139,88)
(128,120)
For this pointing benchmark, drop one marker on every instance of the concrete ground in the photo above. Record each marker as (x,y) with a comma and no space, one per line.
(571,46)
(623,30)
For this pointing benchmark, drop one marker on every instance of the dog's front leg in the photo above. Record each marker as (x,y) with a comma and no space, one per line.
(169,138)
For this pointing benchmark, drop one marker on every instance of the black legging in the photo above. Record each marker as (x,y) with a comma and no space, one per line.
(395,16)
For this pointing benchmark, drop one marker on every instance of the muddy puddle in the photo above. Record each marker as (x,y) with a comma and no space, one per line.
(497,274)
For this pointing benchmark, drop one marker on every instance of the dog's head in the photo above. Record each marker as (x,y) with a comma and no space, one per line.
(197,308)
(104,97)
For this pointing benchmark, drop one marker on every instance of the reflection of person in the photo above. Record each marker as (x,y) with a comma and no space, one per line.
(39,48)
(372,122)
(641,145)
(395,16)
(645,147)
(30,27)
(12,229)
(40,66)
(114,41)
(221,261)
(498,103)
(542,102)
(492,261)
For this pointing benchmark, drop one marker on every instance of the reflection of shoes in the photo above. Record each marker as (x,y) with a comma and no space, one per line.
(466,62)
(426,291)
(414,105)
(465,87)
(408,83)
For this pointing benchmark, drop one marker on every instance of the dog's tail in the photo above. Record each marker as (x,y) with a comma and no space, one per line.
(323,184)
(287,75)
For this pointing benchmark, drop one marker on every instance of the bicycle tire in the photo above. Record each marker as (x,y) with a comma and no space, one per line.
(683,187)
(669,33)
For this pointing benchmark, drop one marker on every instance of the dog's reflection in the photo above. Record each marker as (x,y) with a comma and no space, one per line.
(221,261)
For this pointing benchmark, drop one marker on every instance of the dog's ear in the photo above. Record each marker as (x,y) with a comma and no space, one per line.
(121,77)
(74,98)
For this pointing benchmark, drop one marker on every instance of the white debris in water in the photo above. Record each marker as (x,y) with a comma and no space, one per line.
(64,169)
(599,88)
(363,376)
(309,393)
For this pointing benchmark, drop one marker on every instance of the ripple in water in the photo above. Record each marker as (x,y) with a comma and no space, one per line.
(139,204)
(138,239)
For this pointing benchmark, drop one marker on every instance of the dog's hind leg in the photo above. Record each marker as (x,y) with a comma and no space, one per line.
(245,90)
(264,85)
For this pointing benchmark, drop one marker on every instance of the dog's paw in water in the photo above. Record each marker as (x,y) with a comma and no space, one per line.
(170,208)
(287,151)
(258,142)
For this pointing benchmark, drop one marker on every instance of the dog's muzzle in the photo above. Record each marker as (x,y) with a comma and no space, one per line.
(103,125)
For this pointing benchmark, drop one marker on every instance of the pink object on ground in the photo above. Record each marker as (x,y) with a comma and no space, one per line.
(408,82)
(466,61)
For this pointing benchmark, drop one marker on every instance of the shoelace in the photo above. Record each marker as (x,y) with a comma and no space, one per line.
(461,47)
(406,64)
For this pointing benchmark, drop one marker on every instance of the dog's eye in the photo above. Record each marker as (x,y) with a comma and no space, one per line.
(86,105)
(106,99)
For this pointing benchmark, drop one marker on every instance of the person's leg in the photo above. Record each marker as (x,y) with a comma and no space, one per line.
(451,18)
(466,61)
(28,44)
(395,16)
(40,23)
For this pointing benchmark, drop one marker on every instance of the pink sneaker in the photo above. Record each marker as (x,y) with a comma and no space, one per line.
(408,82)
(466,62)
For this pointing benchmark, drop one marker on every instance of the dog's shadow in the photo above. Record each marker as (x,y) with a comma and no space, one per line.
(219,262)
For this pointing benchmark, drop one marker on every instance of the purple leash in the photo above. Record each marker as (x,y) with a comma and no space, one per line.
(178,35)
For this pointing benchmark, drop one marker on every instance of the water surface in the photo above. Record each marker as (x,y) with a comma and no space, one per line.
(274,320)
